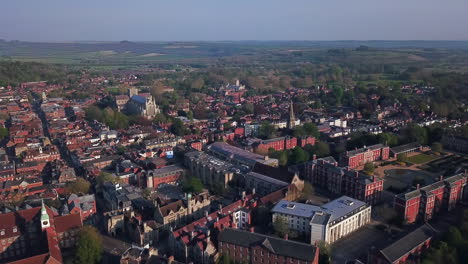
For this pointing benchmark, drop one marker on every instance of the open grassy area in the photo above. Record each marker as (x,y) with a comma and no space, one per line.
(421,158)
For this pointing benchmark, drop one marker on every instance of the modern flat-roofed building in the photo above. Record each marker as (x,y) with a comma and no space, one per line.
(328,222)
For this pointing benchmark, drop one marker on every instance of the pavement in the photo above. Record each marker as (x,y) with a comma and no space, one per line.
(357,244)
(114,246)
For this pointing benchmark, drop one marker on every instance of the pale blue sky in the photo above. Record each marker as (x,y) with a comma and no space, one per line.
(161,20)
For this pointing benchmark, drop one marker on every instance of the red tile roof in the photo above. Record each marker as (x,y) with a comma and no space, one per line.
(67,222)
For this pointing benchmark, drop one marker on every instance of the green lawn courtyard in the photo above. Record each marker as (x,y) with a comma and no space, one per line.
(422,158)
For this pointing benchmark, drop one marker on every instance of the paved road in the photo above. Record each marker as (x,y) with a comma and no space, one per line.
(114,246)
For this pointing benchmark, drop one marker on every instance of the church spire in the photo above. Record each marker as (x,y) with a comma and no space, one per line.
(292,118)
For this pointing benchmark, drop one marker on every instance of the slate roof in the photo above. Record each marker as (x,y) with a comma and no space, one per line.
(406,147)
(281,247)
(361,150)
(406,244)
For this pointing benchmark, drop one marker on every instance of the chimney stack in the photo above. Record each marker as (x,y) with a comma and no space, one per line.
(417,186)
(314,157)
(253,191)
(252,230)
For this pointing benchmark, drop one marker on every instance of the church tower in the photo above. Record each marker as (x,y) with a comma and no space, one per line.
(45,219)
(291,119)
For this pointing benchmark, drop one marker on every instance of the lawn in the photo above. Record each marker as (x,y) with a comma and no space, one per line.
(421,158)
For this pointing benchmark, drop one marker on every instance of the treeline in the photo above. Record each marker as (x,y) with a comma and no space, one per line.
(14,73)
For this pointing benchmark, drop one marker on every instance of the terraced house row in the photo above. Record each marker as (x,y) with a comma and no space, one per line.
(423,203)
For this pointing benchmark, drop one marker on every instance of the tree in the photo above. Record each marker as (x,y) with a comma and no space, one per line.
(192,184)
(89,246)
(107,177)
(369,168)
(160,118)
(298,155)
(283,158)
(147,193)
(3,132)
(321,149)
(311,130)
(281,226)
(79,186)
(324,253)
(266,130)
(157,89)
(178,127)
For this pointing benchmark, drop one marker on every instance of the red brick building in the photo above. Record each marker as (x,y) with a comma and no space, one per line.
(344,181)
(248,247)
(358,157)
(303,141)
(406,249)
(168,174)
(423,203)
(36,235)
(278,144)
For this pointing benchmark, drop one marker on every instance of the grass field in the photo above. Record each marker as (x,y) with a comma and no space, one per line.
(421,158)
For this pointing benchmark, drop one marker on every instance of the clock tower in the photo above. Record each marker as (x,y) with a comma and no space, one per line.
(45,219)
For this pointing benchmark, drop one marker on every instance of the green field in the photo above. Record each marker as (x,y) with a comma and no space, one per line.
(421,158)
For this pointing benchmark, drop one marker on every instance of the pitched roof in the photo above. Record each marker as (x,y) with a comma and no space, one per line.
(67,222)
(278,246)
(406,244)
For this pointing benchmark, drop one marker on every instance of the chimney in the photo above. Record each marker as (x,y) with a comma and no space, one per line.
(417,186)
(243,195)
(252,230)
(206,213)
(253,191)
(286,237)
(441,177)
(314,157)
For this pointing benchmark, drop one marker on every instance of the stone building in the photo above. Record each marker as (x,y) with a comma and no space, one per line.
(182,211)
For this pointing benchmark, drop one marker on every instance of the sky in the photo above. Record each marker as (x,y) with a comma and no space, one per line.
(215,20)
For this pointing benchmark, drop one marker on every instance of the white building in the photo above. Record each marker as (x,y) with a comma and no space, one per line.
(328,222)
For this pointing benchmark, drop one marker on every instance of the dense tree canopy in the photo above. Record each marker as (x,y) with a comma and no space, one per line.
(89,246)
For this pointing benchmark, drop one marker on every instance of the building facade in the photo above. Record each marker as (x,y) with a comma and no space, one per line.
(423,203)
(359,157)
(248,247)
(327,174)
(328,222)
